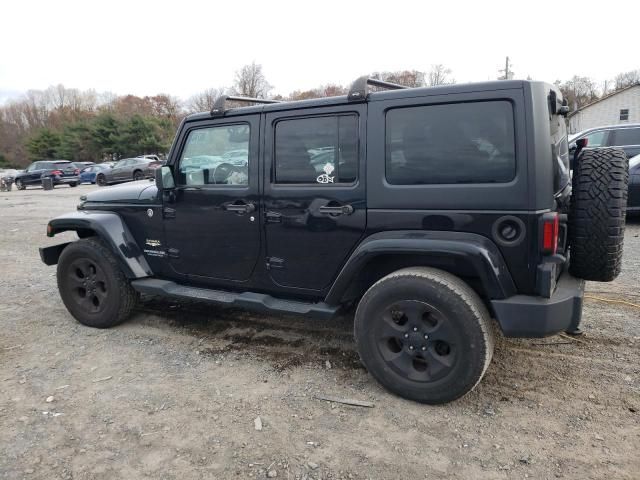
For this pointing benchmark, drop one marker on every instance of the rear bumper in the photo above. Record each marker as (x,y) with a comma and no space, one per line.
(64,180)
(528,316)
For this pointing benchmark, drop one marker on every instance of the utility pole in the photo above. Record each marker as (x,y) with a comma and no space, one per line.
(508,72)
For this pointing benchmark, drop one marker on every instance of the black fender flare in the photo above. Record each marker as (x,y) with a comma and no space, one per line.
(478,253)
(110,228)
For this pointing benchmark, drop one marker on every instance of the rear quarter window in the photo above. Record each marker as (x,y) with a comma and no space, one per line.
(451,143)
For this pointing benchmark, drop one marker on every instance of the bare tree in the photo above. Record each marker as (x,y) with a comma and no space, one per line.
(251,82)
(439,75)
(204,100)
(579,91)
(626,79)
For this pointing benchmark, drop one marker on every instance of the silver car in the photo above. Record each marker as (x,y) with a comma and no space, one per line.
(127,170)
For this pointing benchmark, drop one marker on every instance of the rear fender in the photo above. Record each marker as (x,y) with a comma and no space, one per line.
(110,228)
(433,248)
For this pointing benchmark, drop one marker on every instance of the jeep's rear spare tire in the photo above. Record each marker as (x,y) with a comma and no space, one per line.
(597,215)
(424,334)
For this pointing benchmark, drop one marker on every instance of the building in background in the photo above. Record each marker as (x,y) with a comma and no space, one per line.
(618,108)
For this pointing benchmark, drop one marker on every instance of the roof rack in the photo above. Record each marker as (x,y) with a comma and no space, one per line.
(359,89)
(218,107)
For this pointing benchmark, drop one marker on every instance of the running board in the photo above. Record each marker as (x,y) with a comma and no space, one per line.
(248,300)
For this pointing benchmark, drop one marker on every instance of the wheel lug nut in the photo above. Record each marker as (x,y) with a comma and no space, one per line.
(415,329)
(406,335)
(424,348)
(410,347)
(426,337)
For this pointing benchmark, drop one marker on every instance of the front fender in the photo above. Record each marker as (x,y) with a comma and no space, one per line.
(476,252)
(110,228)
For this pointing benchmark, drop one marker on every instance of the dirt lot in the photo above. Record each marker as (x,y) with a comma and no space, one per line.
(174,392)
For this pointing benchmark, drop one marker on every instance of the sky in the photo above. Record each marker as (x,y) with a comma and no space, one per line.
(183,47)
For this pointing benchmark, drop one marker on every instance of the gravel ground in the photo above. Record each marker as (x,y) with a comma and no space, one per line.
(176,391)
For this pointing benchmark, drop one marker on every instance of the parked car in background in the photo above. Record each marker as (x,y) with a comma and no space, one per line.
(82,165)
(62,172)
(633,201)
(155,158)
(626,137)
(127,170)
(88,174)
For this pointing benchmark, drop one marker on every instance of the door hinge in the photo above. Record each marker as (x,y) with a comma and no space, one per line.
(168,212)
(275,263)
(173,253)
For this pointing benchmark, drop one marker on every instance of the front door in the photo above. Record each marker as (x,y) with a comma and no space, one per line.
(315,209)
(212,227)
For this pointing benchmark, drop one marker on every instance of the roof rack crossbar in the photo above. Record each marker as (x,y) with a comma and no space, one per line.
(218,107)
(359,89)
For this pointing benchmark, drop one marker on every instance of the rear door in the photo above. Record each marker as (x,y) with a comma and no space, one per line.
(315,209)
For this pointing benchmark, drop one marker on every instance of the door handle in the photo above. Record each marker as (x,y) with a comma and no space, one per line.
(241,207)
(339,210)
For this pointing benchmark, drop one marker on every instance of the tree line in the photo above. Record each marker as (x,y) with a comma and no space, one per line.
(77,125)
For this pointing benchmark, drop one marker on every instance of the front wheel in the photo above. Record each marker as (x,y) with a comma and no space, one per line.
(92,285)
(424,334)
(20,185)
(101,180)
(138,175)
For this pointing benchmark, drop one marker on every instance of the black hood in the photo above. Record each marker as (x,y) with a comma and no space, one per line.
(144,191)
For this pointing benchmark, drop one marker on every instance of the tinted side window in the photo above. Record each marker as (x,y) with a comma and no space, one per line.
(627,136)
(452,143)
(216,156)
(318,150)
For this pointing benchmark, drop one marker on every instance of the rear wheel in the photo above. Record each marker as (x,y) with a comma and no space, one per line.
(73,184)
(92,285)
(597,215)
(101,180)
(20,185)
(424,334)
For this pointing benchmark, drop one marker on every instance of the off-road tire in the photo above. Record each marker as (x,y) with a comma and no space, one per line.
(101,181)
(597,214)
(20,185)
(463,314)
(119,297)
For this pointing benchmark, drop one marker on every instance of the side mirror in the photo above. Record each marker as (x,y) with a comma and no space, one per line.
(583,142)
(164,178)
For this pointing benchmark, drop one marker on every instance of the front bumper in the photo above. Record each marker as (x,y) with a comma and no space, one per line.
(529,316)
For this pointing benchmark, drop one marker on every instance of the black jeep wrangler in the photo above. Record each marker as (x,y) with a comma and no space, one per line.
(438,212)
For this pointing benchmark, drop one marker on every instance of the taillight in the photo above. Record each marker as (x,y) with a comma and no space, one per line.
(550,233)
(56,172)
(76,171)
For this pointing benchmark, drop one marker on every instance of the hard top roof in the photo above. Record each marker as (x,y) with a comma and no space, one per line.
(371,97)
